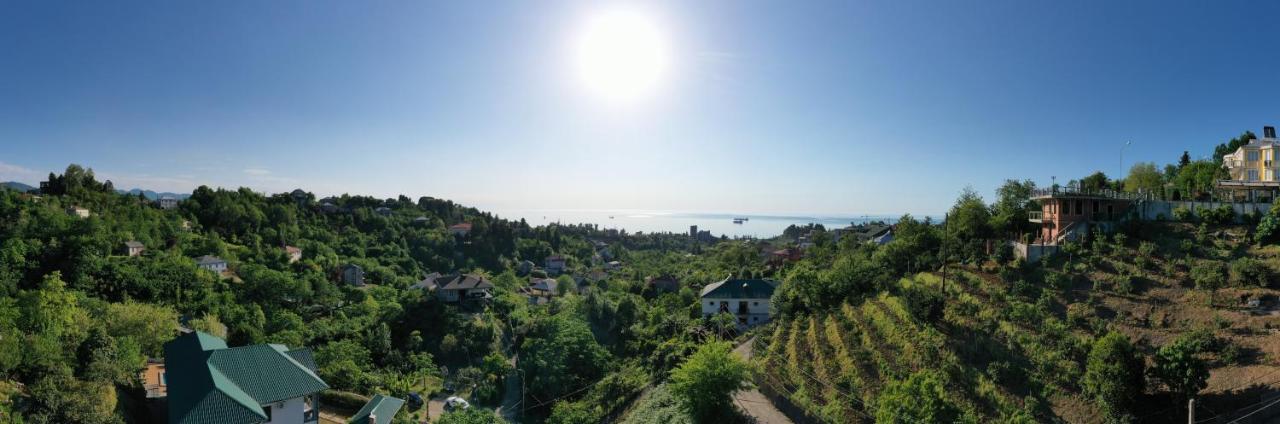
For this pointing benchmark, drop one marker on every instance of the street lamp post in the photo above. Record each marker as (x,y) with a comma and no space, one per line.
(1122,148)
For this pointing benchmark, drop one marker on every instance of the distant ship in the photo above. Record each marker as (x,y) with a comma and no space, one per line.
(610,216)
(738,220)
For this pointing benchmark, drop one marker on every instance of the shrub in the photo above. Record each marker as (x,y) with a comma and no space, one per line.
(1249,271)
(1147,248)
(1123,283)
(1209,276)
(1220,215)
(1183,214)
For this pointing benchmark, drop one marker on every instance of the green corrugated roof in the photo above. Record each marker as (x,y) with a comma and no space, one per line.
(739,289)
(266,373)
(385,407)
(211,383)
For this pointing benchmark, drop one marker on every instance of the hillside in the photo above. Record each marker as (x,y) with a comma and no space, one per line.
(16,186)
(1009,342)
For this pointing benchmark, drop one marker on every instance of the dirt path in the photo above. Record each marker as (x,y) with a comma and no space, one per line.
(752,402)
(510,407)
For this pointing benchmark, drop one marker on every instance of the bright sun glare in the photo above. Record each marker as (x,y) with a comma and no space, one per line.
(621,55)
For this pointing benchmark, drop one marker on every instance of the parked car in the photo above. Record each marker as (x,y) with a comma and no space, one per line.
(454,402)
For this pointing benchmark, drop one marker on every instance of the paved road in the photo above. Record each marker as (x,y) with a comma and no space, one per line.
(753,403)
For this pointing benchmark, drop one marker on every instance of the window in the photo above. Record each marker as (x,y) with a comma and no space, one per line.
(755,318)
(1252,175)
(755,303)
(163,382)
(1079,207)
(1066,208)
(1251,156)
(1095,206)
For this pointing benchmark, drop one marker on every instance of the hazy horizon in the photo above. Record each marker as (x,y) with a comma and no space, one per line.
(822,108)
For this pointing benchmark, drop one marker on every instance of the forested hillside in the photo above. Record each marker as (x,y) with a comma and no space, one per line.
(79,317)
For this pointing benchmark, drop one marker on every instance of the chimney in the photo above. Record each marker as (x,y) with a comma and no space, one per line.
(373,418)
(1268,132)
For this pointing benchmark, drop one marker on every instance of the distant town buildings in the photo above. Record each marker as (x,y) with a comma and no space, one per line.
(463,287)
(555,264)
(167,202)
(352,274)
(460,230)
(747,300)
(212,263)
(78,212)
(663,283)
(383,210)
(133,248)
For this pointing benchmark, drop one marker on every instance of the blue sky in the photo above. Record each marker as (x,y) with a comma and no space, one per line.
(847,107)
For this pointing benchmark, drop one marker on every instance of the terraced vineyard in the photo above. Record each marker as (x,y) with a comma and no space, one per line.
(836,364)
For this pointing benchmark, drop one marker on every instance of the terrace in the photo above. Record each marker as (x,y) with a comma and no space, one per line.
(1076,192)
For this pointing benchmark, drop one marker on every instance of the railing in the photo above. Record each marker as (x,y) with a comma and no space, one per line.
(1071,191)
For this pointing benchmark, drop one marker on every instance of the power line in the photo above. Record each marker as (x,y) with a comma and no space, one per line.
(1255,411)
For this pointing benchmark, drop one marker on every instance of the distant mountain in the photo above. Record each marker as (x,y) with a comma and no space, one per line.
(14,185)
(153,195)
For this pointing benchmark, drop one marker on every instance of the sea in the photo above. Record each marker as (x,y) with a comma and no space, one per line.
(635,221)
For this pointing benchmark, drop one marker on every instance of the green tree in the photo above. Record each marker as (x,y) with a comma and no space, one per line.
(1013,202)
(561,355)
(1144,177)
(1114,376)
(471,416)
(921,398)
(706,381)
(51,308)
(1180,368)
(1095,181)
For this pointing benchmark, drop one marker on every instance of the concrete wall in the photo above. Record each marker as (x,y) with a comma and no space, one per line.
(1155,209)
(1033,252)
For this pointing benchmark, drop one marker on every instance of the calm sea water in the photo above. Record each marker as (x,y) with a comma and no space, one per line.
(762,226)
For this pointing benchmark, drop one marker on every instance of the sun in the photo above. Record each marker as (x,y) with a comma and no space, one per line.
(621,55)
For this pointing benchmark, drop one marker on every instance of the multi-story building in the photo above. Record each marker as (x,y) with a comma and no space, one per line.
(1257,161)
(747,300)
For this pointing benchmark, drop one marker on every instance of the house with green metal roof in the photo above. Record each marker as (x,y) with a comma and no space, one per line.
(746,299)
(209,382)
(379,410)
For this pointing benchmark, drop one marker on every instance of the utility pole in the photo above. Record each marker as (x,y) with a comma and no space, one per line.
(1191,411)
(945,224)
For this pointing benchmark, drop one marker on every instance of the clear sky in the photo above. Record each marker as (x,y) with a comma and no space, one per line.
(847,107)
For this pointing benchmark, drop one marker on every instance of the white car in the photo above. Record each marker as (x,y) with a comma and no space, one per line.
(454,402)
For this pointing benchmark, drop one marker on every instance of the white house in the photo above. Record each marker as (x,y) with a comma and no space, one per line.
(748,300)
(212,263)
